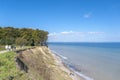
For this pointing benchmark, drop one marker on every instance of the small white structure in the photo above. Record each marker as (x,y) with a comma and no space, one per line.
(7,47)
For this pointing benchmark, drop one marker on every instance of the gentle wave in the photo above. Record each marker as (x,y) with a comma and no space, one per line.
(61,56)
(72,68)
(84,76)
(80,74)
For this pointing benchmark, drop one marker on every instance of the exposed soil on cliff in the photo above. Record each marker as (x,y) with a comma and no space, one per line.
(40,64)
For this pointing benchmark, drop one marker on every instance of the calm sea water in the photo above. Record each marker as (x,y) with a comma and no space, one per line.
(97,61)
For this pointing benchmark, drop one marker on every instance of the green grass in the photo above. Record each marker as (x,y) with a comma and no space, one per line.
(2,48)
(8,68)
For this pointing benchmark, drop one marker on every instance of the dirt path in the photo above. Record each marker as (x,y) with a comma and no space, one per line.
(4,51)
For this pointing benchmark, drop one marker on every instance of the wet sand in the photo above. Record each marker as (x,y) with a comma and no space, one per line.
(63,67)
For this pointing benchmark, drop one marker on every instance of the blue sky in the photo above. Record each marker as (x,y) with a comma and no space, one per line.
(65,20)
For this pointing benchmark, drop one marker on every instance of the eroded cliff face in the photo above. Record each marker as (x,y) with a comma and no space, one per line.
(40,64)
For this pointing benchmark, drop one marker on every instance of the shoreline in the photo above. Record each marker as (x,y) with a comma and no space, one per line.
(64,67)
(56,67)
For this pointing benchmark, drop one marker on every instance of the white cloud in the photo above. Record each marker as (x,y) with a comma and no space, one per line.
(67,32)
(95,32)
(74,33)
(52,34)
(87,15)
(75,36)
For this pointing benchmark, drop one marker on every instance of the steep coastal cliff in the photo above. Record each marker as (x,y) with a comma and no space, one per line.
(40,64)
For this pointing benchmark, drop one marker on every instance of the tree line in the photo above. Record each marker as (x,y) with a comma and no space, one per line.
(22,36)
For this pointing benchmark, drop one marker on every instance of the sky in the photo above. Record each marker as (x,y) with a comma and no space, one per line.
(65,20)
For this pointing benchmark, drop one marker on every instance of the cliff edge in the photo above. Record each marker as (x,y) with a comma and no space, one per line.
(40,64)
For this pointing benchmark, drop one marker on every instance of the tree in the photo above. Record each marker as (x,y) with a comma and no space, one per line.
(21,41)
(22,36)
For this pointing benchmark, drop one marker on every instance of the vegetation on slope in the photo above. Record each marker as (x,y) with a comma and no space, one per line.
(8,69)
(35,63)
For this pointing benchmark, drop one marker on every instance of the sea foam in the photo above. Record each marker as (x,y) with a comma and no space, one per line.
(71,68)
(61,56)
(80,74)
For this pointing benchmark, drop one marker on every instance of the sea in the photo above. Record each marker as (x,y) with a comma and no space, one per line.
(91,61)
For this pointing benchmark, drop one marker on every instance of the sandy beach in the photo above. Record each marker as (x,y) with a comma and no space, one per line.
(63,67)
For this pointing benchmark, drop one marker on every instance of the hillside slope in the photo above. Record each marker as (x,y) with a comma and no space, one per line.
(40,64)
